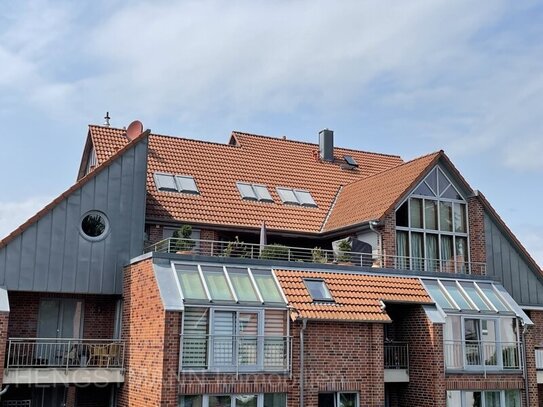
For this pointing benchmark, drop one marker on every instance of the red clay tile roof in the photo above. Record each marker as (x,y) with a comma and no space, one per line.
(45,210)
(274,162)
(356,296)
(371,198)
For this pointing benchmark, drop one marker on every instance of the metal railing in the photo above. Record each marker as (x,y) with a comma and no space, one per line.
(483,355)
(235,353)
(64,353)
(396,355)
(238,249)
(539,358)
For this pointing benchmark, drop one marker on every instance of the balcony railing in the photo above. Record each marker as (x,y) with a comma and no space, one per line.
(482,355)
(396,355)
(237,249)
(242,353)
(64,353)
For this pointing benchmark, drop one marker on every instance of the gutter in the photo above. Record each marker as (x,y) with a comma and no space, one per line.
(302,378)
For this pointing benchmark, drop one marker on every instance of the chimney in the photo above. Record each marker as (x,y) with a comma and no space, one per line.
(326,145)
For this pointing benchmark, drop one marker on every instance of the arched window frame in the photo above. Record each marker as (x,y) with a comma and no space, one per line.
(458,263)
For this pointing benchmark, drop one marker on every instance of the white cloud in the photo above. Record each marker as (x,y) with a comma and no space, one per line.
(13,214)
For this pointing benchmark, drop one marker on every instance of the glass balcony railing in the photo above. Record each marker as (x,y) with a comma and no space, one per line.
(482,355)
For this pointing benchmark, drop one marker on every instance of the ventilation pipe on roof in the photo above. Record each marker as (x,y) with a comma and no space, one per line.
(326,145)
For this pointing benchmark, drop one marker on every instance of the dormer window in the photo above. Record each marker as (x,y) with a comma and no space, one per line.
(318,290)
(175,183)
(431,227)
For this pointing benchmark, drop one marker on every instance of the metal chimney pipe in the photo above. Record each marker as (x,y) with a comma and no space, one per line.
(326,145)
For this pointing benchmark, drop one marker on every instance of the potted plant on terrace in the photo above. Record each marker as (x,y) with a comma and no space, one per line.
(183,243)
(344,249)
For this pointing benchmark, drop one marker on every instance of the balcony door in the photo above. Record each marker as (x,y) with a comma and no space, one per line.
(60,318)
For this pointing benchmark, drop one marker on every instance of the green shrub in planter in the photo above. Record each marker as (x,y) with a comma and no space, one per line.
(182,241)
(274,251)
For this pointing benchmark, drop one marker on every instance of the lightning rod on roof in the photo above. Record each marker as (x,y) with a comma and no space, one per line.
(107,118)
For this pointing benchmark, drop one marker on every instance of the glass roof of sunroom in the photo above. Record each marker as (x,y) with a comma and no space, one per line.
(473,297)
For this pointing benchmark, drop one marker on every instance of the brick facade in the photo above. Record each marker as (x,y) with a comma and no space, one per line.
(477,246)
(143,329)
(4,323)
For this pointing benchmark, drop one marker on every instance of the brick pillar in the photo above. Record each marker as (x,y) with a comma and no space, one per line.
(477,245)
(534,338)
(206,248)
(144,330)
(4,320)
(426,387)
(387,236)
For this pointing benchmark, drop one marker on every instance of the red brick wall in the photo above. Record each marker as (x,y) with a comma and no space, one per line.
(143,330)
(426,387)
(154,234)
(387,236)
(477,241)
(4,322)
(98,314)
(534,338)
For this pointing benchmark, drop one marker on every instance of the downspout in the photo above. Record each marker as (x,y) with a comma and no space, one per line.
(304,325)
(524,355)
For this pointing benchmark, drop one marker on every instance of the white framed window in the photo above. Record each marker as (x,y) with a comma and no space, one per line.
(338,399)
(318,290)
(432,227)
(487,398)
(226,339)
(481,343)
(234,400)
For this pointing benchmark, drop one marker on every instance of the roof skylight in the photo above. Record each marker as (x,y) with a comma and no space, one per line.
(254,192)
(210,283)
(318,290)
(175,183)
(296,196)
(350,160)
(467,296)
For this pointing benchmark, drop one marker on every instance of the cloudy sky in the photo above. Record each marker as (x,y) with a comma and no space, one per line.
(397,77)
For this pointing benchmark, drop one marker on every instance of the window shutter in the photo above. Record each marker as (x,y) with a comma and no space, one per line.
(195,330)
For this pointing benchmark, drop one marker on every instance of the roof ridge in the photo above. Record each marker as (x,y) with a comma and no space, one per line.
(81,182)
(440,152)
(278,138)
(216,143)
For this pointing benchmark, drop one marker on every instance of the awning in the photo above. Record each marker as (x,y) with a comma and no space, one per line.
(473,297)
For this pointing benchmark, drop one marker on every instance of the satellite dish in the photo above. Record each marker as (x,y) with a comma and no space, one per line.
(134,130)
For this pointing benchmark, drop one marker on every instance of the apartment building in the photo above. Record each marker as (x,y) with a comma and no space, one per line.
(266,272)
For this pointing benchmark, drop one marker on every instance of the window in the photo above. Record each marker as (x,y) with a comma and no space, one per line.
(94,226)
(233,340)
(350,160)
(492,398)
(254,192)
(431,225)
(175,183)
(318,290)
(338,399)
(296,197)
(210,283)
(240,400)
(478,343)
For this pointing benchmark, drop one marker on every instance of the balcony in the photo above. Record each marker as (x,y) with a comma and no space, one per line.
(482,356)
(316,255)
(66,361)
(236,354)
(396,362)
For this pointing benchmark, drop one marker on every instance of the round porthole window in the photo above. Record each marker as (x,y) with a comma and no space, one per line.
(94,225)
